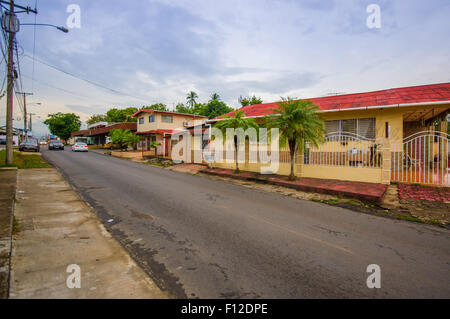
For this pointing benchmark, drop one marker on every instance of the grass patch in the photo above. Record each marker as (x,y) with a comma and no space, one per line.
(353,202)
(408,218)
(24,160)
(331,201)
(433,221)
(16,226)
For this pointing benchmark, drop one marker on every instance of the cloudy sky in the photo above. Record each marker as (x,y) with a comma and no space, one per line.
(144,52)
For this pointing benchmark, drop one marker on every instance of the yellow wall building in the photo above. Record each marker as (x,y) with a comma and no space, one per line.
(384,136)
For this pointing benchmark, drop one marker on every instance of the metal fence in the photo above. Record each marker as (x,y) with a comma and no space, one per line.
(345,149)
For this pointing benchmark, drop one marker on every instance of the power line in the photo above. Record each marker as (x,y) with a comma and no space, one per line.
(85,80)
(34,46)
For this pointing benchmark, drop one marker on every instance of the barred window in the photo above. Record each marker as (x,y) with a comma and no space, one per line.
(366,127)
(332,127)
(167,118)
(151,118)
(349,126)
(141,120)
(363,127)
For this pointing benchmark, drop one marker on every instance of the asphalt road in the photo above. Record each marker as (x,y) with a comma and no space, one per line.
(198,237)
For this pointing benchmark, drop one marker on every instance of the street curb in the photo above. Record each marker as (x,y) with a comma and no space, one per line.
(8,240)
(305,188)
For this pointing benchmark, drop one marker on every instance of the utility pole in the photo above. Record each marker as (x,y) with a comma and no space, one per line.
(10,89)
(31,121)
(11,25)
(25,112)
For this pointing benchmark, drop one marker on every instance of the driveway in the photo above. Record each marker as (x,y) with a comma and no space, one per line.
(198,237)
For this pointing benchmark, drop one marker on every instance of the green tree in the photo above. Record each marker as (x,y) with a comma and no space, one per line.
(96,118)
(244,100)
(298,123)
(181,108)
(191,96)
(215,107)
(235,122)
(155,144)
(132,140)
(157,107)
(215,97)
(63,124)
(120,137)
(115,115)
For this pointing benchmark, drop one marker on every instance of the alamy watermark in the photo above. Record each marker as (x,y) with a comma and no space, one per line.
(74,19)
(374,279)
(374,19)
(74,279)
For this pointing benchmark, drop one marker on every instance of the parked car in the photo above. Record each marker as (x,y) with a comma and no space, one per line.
(2,140)
(29,145)
(79,147)
(55,145)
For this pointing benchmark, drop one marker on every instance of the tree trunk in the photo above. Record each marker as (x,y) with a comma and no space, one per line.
(292,153)
(236,156)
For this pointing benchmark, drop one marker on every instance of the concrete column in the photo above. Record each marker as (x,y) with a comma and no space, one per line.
(386,168)
(301,164)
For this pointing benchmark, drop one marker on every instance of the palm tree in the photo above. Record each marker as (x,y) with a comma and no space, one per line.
(235,122)
(215,97)
(298,123)
(155,144)
(191,96)
(132,140)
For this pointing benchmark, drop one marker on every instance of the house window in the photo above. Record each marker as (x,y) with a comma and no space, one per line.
(363,127)
(167,118)
(151,118)
(141,120)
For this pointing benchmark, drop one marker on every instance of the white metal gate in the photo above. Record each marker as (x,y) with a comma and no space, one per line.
(421,158)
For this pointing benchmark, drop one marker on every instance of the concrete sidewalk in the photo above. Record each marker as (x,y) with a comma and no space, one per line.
(57,229)
(7,190)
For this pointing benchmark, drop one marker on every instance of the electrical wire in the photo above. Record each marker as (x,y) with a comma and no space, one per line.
(34,47)
(85,80)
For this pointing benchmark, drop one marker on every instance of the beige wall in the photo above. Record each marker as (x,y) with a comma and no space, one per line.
(178,122)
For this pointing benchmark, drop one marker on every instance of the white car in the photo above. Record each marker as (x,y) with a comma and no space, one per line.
(79,147)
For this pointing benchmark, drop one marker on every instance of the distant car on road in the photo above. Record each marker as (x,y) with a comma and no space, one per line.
(79,147)
(55,145)
(29,145)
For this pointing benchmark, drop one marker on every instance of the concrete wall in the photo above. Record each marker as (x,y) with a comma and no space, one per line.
(178,122)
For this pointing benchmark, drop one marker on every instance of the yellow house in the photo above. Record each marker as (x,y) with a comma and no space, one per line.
(394,135)
(158,126)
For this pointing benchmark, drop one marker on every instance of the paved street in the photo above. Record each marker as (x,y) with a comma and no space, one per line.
(198,237)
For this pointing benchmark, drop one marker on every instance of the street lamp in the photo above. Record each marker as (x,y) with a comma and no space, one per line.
(60,28)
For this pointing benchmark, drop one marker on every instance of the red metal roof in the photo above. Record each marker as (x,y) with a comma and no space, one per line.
(165,112)
(102,129)
(80,133)
(132,126)
(159,131)
(406,95)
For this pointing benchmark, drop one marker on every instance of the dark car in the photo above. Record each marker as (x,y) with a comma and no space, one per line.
(2,140)
(55,145)
(29,145)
